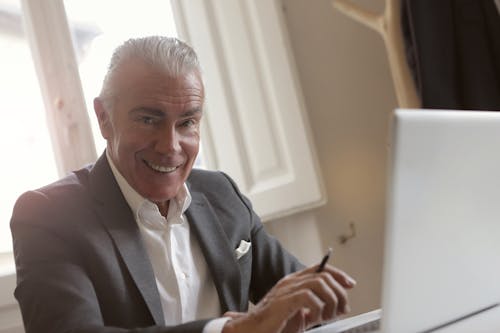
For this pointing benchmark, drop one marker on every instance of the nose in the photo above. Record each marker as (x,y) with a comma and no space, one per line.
(167,141)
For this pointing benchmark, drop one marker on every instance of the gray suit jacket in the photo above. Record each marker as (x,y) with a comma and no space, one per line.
(82,265)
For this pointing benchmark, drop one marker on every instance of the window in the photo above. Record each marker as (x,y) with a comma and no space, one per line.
(254,95)
(28,159)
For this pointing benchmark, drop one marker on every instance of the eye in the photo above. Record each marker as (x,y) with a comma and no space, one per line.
(147,120)
(188,123)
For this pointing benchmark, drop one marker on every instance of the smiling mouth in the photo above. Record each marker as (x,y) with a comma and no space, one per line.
(160,168)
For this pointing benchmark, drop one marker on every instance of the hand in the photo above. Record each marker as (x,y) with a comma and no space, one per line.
(297,302)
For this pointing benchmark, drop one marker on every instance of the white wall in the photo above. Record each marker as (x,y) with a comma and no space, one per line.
(348,91)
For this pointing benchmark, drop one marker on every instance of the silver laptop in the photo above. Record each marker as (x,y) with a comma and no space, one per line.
(442,245)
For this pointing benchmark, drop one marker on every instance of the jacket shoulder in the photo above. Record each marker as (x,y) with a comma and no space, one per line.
(208,181)
(65,193)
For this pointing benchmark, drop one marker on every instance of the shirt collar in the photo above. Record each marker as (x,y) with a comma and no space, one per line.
(137,202)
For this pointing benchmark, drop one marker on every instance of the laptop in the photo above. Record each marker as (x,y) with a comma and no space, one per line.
(442,242)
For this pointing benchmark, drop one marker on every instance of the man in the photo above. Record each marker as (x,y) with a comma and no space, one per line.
(140,242)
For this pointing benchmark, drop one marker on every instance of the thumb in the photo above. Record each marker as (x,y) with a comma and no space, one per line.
(233,314)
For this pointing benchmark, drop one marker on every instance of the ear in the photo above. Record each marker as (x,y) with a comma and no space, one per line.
(103,117)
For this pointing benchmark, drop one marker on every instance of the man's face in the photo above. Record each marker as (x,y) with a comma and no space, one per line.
(153,129)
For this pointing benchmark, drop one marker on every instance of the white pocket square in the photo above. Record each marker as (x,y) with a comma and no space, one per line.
(242,249)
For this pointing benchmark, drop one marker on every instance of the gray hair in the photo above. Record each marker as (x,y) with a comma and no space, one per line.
(169,54)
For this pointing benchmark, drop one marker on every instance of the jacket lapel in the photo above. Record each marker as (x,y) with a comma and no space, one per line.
(119,221)
(217,251)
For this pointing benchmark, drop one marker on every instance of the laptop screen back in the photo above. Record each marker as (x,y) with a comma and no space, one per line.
(442,252)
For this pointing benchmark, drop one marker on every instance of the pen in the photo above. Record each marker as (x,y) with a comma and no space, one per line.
(324,260)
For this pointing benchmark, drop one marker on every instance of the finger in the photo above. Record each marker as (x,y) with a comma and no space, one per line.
(289,313)
(233,314)
(345,279)
(342,277)
(297,323)
(291,283)
(333,294)
(339,291)
(322,285)
(310,305)
(325,287)
(330,291)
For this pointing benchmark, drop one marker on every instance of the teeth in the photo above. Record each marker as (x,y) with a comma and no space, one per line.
(160,168)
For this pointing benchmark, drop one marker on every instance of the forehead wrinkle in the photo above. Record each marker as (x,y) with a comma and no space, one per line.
(157,97)
(163,89)
(167,102)
(162,107)
(152,111)
(142,79)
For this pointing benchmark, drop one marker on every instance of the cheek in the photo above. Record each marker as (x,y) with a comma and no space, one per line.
(192,146)
(133,140)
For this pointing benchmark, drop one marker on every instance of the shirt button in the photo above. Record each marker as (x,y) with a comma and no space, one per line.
(185,275)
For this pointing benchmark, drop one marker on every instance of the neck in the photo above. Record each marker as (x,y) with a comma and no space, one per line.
(163,207)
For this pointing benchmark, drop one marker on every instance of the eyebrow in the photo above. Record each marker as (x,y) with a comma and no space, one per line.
(150,111)
(161,114)
(192,112)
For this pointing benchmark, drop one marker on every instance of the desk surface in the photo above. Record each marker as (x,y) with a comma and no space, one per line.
(484,322)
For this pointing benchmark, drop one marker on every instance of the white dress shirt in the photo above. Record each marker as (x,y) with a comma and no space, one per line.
(186,287)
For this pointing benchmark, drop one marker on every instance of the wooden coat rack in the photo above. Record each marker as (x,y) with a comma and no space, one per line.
(388,25)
